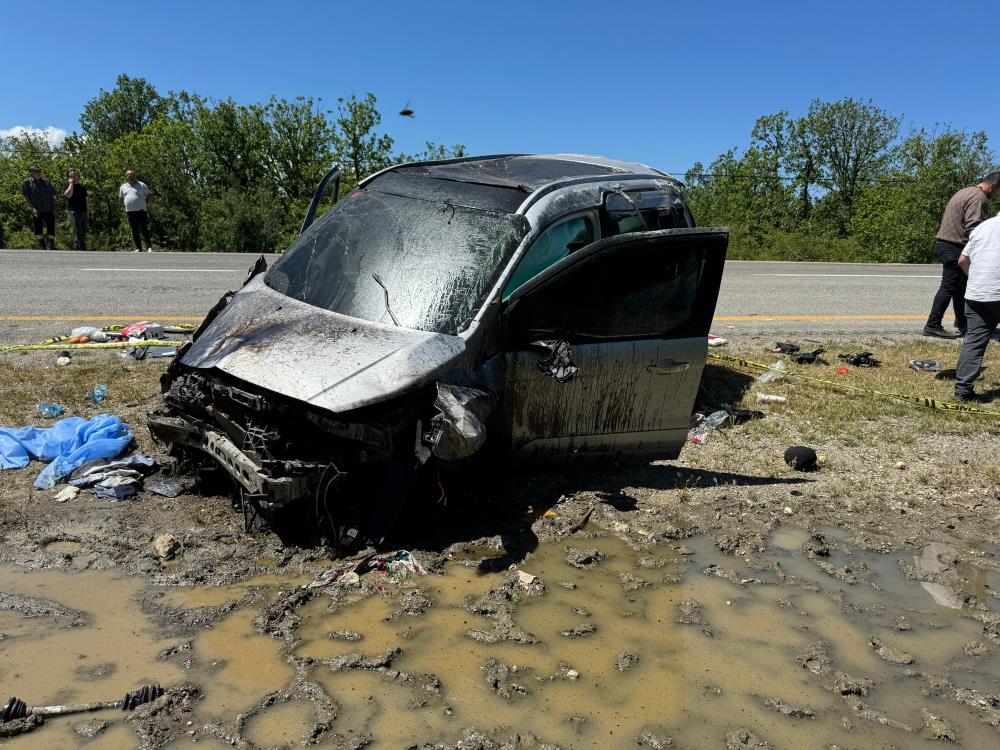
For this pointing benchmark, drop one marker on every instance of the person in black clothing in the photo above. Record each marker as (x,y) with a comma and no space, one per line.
(77,208)
(38,192)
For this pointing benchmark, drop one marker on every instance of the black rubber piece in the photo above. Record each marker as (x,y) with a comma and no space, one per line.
(801,458)
(15,708)
(145,694)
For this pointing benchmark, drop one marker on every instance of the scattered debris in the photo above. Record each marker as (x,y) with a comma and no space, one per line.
(937,727)
(745,740)
(925,365)
(625,661)
(784,347)
(558,363)
(68,444)
(584,559)
(117,479)
(809,358)
(66,494)
(861,359)
(888,653)
(767,398)
(801,458)
(717,340)
(789,709)
(165,487)
(99,394)
(48,410)
(776,371)
(166,546)
(397,566)
(700,432)
(499,678)
(579,631)
(64,358)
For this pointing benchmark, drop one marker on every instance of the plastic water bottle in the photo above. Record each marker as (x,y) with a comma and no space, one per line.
(99,393)
(699,434)
(49,411)
(774,372)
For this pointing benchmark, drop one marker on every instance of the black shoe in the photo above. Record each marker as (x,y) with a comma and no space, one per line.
(939,332)
(971,397)
(961,332)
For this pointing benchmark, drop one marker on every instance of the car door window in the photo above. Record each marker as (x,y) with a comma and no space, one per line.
(657,284)
(643,211)
(551,246)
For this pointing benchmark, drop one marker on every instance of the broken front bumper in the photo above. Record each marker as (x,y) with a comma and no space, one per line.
(271,483)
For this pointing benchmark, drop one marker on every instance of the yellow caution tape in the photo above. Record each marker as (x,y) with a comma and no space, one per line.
(930,403)
(90,345)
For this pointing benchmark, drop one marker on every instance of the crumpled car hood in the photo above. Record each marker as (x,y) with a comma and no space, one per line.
(329,360)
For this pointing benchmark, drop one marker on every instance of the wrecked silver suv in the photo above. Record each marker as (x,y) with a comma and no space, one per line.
(545,306)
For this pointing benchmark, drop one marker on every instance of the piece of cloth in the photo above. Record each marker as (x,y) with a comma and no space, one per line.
(92,470)
(965,210)
(39,194)
(79,221)
(983,252)
(952,288)
(138,222)
(983,320)
(46,219)
(78,201)
(134,195)
(68,444)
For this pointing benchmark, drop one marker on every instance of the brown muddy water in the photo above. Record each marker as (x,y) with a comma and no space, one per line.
(684,643)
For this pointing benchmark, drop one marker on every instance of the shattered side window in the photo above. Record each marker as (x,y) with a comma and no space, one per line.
(437,260)
(551,246)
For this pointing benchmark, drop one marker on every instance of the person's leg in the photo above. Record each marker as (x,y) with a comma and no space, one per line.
(76,229)
(50,229)
(959,282)
(982,320)
(84,226)
(36,222)
(144,226)
(133,224)
(952,279)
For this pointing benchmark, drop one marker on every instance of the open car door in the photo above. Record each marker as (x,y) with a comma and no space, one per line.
(631,313)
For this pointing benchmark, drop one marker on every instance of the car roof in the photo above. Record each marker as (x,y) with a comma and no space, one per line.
(526,174)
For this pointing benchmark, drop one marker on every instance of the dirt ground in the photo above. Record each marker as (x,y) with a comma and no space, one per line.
(895,477)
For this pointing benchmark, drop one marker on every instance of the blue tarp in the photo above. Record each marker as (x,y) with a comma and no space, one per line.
(68,444)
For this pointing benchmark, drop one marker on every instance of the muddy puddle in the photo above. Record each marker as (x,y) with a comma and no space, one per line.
(587,644)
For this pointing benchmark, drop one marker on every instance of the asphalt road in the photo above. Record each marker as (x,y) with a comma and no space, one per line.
(44,293)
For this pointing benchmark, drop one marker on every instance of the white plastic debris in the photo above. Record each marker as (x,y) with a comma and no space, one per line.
(767,398)
(67,493)
(774,372)
(717,340)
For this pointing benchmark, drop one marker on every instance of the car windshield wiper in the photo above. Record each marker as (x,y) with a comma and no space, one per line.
(386,290)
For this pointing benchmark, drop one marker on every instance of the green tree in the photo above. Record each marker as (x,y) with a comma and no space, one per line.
(359,147)
(132,105)
(852,142)
(897,217)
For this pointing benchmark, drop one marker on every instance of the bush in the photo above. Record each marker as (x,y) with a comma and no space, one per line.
(792,246)
(243,222)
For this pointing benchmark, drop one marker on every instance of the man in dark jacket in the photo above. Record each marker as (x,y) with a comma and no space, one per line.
(964,212)
(38,192)
(77,208)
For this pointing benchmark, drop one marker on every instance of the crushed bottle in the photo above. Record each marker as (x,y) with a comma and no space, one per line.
(49,411)
(777,371)
(99,394)
(700,432)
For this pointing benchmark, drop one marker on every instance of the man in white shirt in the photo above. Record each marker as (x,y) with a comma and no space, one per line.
(981,262)
(134,195)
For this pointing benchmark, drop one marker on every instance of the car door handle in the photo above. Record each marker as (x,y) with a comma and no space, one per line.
(667,367)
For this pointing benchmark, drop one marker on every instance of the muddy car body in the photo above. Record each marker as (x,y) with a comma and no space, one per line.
(541,306)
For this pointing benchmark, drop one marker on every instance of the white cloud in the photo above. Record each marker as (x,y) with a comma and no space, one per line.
(52,134)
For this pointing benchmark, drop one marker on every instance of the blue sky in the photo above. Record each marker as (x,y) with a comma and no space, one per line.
(666,83)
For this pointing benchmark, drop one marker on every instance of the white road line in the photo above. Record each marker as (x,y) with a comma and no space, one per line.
(851,275)
(167,270)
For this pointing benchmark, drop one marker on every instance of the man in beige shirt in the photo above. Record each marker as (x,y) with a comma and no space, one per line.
(964,212)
